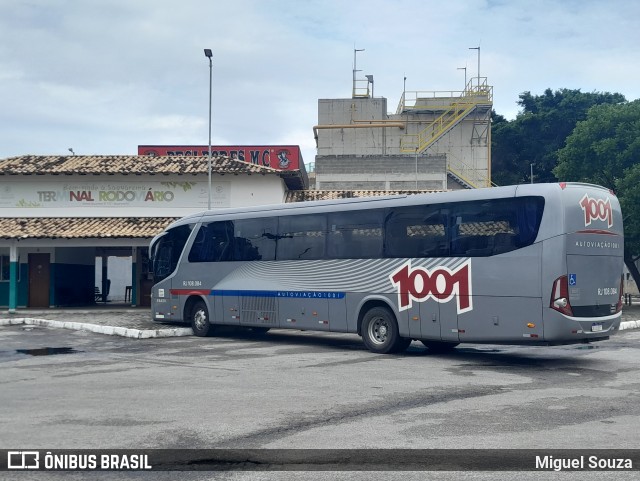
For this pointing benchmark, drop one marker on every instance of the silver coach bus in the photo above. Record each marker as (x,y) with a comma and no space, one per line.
(527,264)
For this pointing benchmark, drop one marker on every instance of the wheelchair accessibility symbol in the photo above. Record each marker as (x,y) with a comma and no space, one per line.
(573,279)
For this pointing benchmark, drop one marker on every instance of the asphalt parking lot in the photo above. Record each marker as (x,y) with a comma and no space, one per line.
(293,389)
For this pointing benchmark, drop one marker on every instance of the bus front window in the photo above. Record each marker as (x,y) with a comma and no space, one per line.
(161,261)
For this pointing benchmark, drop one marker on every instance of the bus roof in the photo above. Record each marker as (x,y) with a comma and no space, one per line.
(362,203)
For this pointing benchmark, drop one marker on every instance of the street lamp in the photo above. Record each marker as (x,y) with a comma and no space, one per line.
(532,173)
(208,54)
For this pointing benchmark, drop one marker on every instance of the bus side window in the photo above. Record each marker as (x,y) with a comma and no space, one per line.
(255,239)
(355,234)
(213,243)
(416,232)
(301,237)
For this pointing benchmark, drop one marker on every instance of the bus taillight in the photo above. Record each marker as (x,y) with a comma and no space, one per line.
(560,296)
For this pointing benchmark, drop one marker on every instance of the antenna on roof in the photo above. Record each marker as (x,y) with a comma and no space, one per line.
(71,150)
(353,88)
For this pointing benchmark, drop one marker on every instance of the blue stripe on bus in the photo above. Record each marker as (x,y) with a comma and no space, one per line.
(296,294)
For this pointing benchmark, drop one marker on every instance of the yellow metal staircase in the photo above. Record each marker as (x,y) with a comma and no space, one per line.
(478,96)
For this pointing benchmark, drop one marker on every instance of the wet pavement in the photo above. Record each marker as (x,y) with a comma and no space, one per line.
(126,321)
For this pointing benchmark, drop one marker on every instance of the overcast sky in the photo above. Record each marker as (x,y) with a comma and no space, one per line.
(103,76)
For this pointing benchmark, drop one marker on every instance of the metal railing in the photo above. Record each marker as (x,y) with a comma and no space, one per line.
(472,176)
(435,129)
(359,91)
(476,93)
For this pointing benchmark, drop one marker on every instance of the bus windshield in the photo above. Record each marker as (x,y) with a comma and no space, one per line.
(166,250)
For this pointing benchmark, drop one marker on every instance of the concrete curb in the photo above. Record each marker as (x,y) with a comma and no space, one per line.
(108,330)
(629,325)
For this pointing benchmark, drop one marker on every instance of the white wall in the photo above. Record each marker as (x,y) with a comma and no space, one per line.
(126,196)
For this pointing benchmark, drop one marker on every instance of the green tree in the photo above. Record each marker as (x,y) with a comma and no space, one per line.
(604,149)
(538,132)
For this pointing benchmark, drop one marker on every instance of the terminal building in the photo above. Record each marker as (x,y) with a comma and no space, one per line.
(59,213)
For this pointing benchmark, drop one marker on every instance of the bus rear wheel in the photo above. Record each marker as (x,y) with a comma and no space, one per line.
(200,319)
(380,332)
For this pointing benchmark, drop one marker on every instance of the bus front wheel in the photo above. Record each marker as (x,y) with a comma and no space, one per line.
(380,332)
(200,319)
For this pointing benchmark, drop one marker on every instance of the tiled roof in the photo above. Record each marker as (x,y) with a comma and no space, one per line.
(126,164)
(82,227)
(305,195)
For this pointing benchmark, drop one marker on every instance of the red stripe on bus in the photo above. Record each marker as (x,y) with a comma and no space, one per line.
(190,292)
(596,231)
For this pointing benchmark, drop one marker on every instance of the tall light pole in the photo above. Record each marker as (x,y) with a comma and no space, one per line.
(532,173)
(404,93)
(208,54)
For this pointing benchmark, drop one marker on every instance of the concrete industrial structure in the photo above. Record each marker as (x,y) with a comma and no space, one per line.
(434,141)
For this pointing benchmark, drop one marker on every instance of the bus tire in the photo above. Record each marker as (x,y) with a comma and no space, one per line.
(440,346)
(380,332)
(200,319)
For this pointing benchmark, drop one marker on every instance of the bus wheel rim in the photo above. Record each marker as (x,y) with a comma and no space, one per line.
(200,319)
(379,330)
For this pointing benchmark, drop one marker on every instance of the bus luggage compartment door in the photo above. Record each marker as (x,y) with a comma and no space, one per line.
(502,319)
(428,315)
(304,313)
(449,321)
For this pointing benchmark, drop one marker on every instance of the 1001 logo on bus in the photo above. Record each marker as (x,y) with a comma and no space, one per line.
(440,284)
(596,209)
